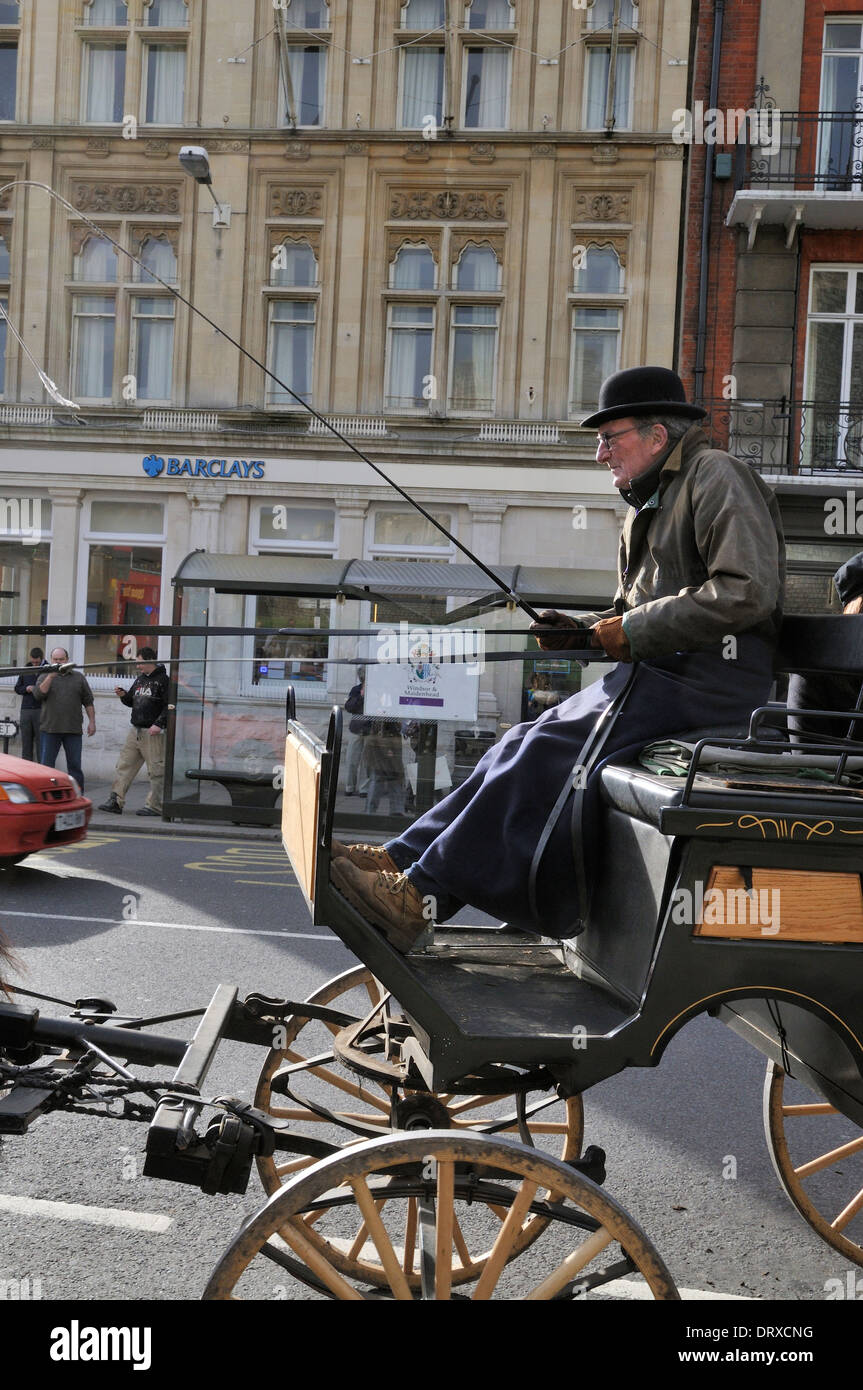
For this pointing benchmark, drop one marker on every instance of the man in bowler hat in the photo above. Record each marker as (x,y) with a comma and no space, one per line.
(701,561)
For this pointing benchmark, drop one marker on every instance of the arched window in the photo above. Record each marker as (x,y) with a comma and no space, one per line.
(294,263)
(477,269)
(97,260)
(157,255)
(600,272)
(413,269)
(4,259)
(422,14)
(167,14)
(104,12)
(490,14)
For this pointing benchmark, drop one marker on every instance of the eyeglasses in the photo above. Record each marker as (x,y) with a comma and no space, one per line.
(608,439)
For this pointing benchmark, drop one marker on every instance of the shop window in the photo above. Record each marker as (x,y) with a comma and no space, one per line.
(597,87)
(486,88)
(126,518)
(124,577)
(289,524)
(294,265)
(291,348)
(408,536)
(24,566)
(296,531)
(411,529)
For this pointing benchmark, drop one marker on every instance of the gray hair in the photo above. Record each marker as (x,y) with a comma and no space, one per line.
(675,426)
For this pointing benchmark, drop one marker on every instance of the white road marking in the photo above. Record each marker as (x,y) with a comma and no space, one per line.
(172,926)
(76,1211)
(629,1289)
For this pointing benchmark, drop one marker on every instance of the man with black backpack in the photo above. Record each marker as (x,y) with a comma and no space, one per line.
(145,743)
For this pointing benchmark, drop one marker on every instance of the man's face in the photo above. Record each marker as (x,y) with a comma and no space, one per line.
(58,655)
(629,453)
(144,667)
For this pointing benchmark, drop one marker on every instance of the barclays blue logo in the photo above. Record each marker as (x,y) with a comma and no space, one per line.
(153,466)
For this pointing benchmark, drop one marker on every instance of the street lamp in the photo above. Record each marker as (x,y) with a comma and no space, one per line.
(196,162)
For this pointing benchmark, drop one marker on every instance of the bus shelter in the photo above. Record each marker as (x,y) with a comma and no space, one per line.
(428,643)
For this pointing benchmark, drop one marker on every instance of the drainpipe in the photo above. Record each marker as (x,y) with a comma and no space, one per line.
(703,280)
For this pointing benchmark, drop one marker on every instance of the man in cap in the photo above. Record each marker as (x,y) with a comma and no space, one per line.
(698,606)
(147,697)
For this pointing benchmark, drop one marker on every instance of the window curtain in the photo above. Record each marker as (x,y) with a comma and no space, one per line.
(598,60)
(473,359)
(422,86)
(423,14)
(596,341)
(478,269)
(154,348)
(158,256)
(168,13)
(292,349)
(105,12)
(490,14)
(8,80)
(166,73)
(414,269)
(410,357)
(840,79)
(106,81)
(4,305)
(308,78)
(94,347)
(487,88)
(97,261)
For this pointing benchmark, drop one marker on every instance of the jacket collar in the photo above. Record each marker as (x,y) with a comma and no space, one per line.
(642,490)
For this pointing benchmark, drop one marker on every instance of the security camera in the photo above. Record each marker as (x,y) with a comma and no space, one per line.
(195,161)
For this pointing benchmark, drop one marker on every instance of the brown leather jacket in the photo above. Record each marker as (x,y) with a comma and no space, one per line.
(704,558)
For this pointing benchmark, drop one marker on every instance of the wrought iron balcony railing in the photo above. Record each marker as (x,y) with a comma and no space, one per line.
(807,438)
(805,150)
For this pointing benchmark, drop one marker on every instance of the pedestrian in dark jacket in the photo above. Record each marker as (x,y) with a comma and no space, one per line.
(30,710)
(145,743)
(63,693)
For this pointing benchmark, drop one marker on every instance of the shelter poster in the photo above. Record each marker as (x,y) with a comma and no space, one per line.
(422,688)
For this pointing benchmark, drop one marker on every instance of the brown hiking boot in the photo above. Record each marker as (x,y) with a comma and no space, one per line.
(369,857)
(388,900)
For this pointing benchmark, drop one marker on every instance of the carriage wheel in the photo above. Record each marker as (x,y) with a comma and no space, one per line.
(364,1103)
(423,1203)
(819,1161)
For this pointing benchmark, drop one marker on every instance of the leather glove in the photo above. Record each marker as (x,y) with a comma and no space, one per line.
(562,640)
(609,634)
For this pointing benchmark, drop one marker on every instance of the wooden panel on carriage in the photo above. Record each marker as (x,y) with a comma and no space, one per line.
(782,905)
(300,806)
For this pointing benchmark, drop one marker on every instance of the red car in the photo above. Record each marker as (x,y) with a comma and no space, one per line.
(39,807)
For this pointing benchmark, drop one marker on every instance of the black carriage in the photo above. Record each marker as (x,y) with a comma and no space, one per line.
(454,1074)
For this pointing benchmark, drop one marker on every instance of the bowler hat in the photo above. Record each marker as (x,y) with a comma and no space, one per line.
(849,578)
(642,391)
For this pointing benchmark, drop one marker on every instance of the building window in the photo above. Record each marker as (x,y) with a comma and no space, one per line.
(9,12)
(123,576)
(293,531)
(477,268)
(410,348)
(103,82)
(422,87)
(596,324)
(123,326)
(599,112)
(291,349)
(490,14)
(167,14)
(8,80)
(401,535)
(4,303)
(423,14)
(600,14)
(831,435)
(308,14)
(303,85)
(25,554)
(473,350)
(106,14)
(164,84)
(294,265)
(486,88)
(840,162)
(598,271)
(413,269)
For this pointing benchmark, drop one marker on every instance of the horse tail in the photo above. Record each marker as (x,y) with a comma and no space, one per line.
(8,962)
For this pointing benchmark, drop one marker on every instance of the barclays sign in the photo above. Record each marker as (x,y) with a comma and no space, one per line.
(155,466)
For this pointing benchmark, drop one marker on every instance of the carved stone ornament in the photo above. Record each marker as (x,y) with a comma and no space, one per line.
(127,197)
(594,205)
(42,142)
(229,146)
(297,149)
(142,234)
(483,152)
(669,151)
(447,204)
(616,243)
(459,240)
(397,239)
(6,197)
(6,234)
(543,150)
(296,202)
(418,151)
(156,149)
(357,147)
(97,148)
(604,154)
(309,236)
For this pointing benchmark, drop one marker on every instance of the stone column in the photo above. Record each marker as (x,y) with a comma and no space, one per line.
(351,509)
(62,575)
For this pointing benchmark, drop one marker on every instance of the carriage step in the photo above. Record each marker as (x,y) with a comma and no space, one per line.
(590,1165)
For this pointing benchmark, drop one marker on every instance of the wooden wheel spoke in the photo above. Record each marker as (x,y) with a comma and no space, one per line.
(572,1265)
(827,1160)
(293,1166)
(841,1221)
(821,1107)
(410,1236)
(372,1223)
(506,1238)
(311,1255)
(342,1084)
(474,1103)
(444,1214)
(461,1245)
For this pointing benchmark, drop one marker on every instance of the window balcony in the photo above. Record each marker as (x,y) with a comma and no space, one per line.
(792,438)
